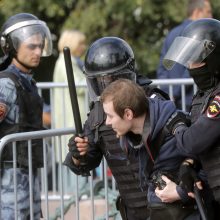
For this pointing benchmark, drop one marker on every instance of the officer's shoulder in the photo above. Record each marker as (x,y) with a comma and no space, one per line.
(94,105)
(7,83)
(151,91)
(154,92)
(213,109)
(158,93)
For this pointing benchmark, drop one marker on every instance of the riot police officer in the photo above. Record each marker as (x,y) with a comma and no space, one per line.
(198,48)
(24,40)
(108,59)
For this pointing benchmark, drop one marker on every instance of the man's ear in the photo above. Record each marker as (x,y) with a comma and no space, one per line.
(128,114)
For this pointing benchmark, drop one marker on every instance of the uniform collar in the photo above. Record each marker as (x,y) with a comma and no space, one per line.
(18,72)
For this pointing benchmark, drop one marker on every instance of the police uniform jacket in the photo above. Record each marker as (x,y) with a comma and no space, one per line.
(203,136)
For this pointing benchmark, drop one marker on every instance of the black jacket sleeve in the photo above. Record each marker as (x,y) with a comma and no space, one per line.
(200,136)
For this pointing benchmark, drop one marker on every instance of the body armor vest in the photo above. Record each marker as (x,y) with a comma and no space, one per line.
(124,166)
(210,159)
(30,119)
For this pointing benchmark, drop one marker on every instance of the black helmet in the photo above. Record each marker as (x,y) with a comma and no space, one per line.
(108,59)
(20,27)
(199,42)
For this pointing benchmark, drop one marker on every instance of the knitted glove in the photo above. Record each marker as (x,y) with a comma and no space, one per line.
(73,148)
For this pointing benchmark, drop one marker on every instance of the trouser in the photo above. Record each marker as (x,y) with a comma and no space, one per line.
(175,211)
(214,210)
(131,213)
(23,195)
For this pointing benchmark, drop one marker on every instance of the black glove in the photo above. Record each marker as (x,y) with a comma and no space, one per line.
(73,148)
(187,176)
(179,118)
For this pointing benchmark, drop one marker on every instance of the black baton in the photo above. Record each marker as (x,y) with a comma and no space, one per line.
(72,91)
(200,204)
(74,101)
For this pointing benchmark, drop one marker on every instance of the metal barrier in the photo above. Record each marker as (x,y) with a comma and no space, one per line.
(176,82)
(51,87)
(56,202)
(155,82)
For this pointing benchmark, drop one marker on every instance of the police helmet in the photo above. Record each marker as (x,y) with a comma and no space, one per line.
(108,59)
(199,42)
(19,28)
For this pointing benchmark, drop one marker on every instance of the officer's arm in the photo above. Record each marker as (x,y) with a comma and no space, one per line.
(92,158)
(200,136)
(8,95)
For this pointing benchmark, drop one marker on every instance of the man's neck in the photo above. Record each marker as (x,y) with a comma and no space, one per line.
(20,66)
(138,124)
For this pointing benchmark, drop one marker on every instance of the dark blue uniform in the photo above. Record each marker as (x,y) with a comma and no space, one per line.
(204,133)
(202,137)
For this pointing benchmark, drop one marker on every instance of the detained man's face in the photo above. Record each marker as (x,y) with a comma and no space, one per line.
(120,125)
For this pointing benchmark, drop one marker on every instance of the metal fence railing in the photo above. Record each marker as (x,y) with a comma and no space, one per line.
(160,83)
(93,195)
(171,83)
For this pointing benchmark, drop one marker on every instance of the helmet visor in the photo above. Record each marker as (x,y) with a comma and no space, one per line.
(186,51)
(26,33)
(96,84)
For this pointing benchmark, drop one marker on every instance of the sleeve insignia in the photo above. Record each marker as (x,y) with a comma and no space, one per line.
(3,110)
(214,107)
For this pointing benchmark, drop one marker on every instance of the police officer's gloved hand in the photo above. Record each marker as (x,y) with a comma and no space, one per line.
(177,119)
(73,148)
(187,176)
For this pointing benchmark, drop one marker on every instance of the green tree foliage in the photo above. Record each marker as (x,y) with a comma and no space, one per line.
(142,23)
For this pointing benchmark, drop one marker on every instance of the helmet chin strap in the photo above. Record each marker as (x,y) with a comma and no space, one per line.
(29,68)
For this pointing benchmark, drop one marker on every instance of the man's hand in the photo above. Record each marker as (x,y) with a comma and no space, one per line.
(169,193)
(179,118)
(78,146)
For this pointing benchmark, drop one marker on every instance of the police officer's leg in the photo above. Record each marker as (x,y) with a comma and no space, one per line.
(194,216)
(37,196)
(171,211)
(128,213)
(7,194)
(121,208)
(216,207)
(141,213)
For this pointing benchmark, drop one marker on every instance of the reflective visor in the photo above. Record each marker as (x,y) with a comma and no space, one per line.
(96,84)
(186,51)
(25,33)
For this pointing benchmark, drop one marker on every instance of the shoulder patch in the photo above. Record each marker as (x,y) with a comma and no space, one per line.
(214,107)
(3,110)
